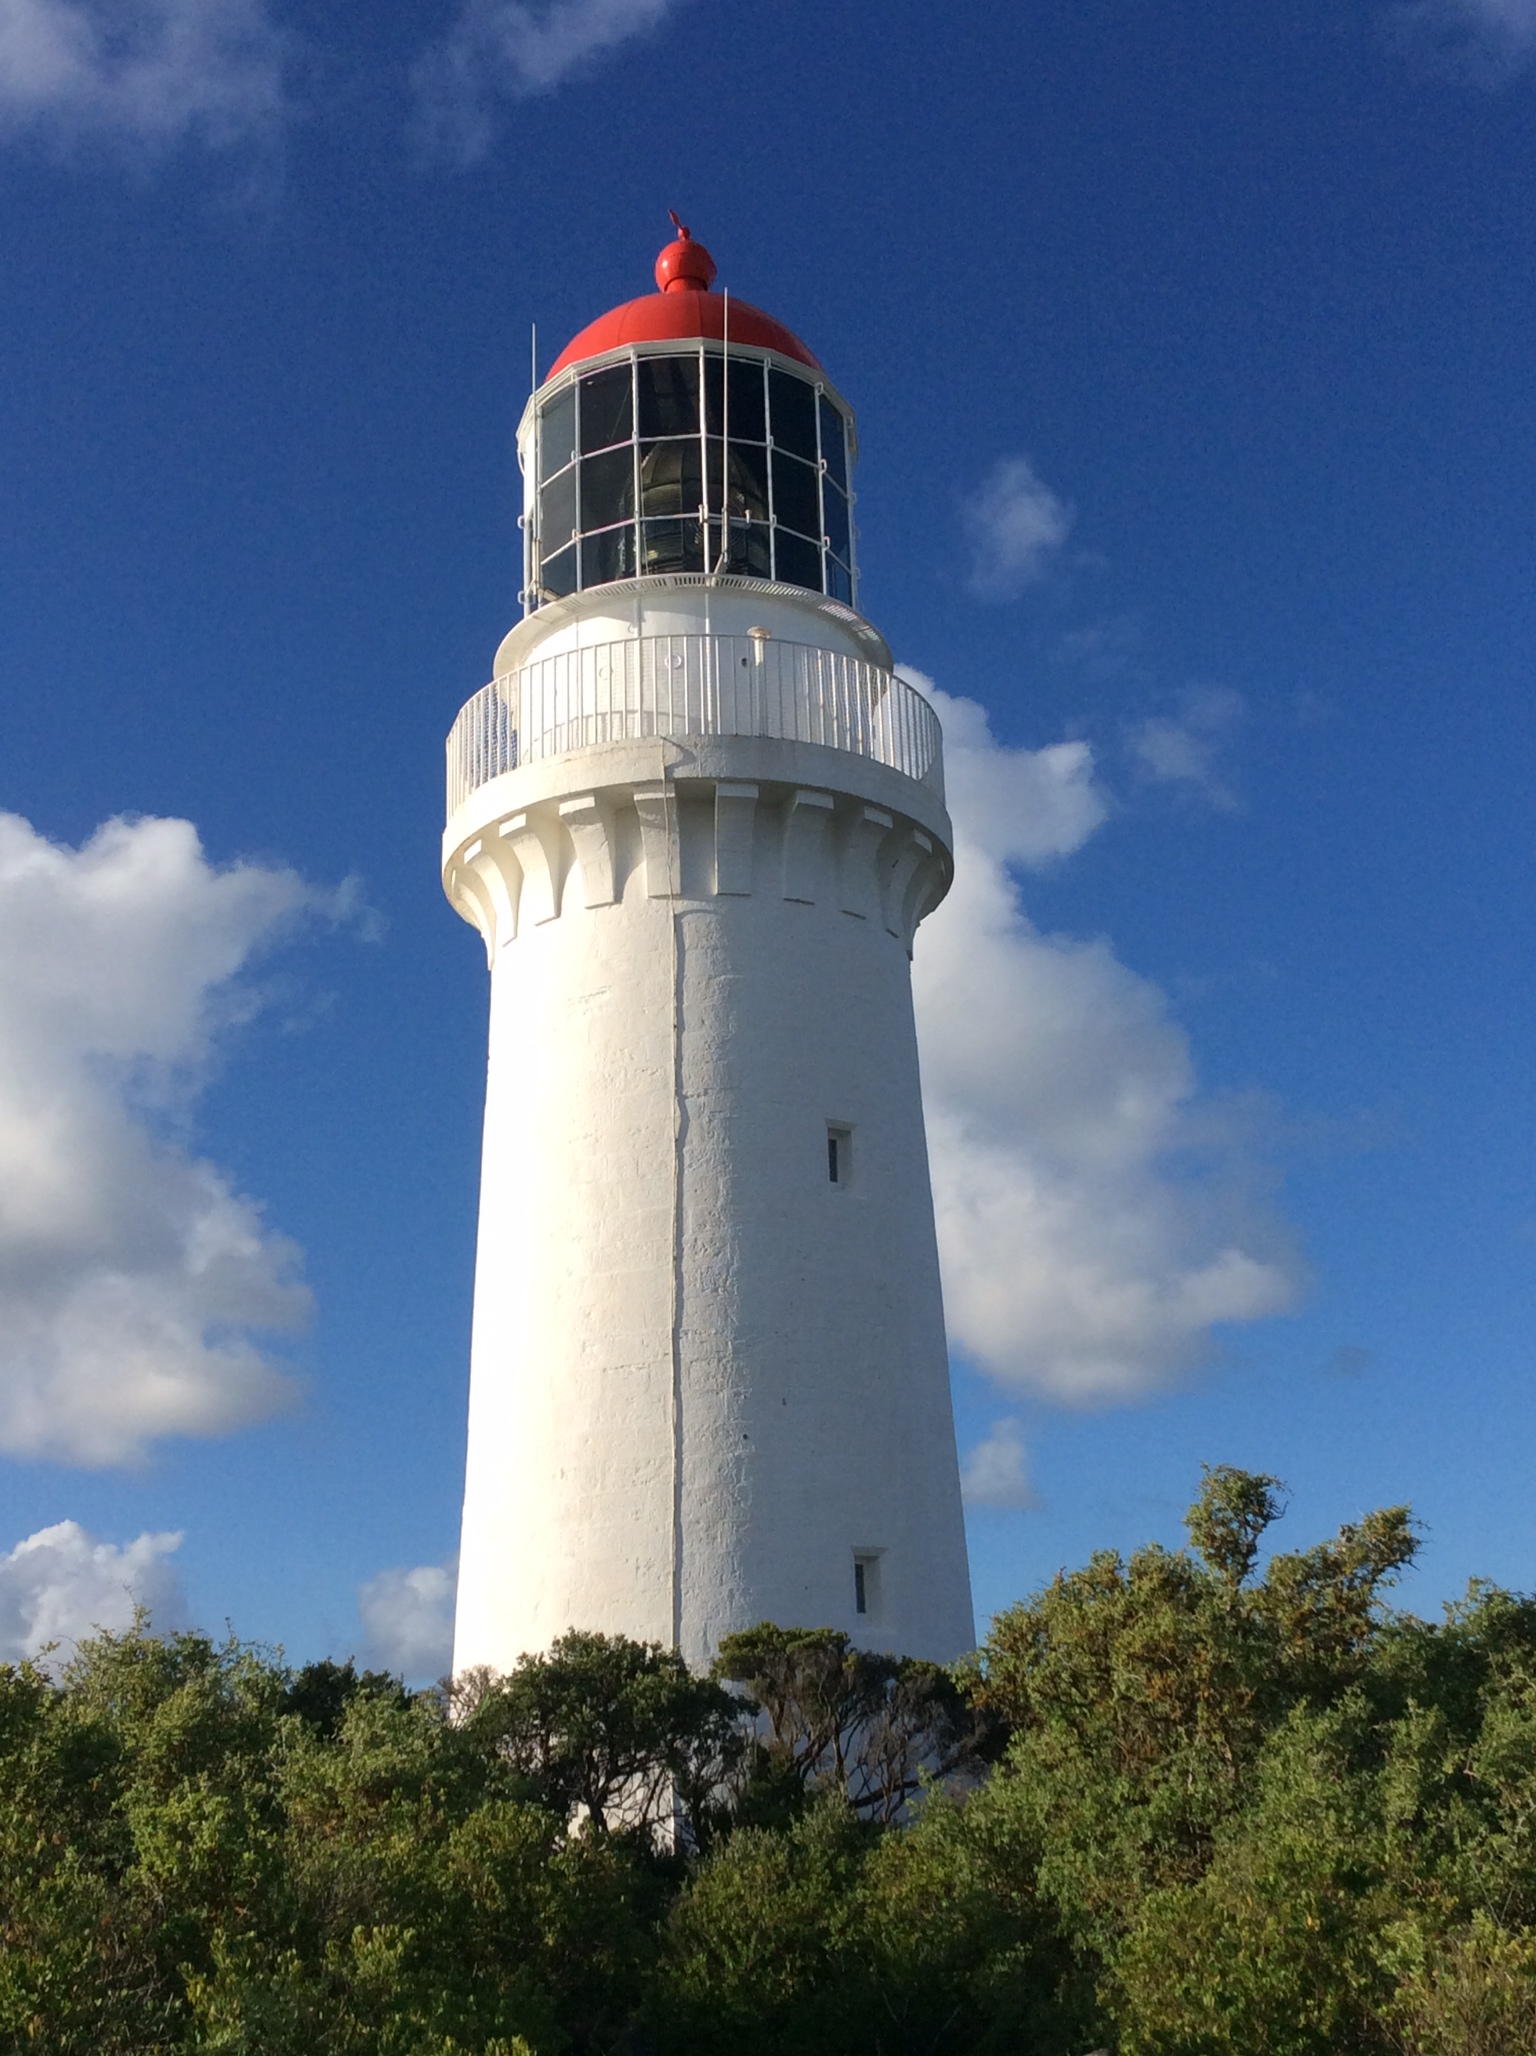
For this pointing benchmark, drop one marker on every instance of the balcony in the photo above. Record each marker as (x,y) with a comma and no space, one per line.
(693,685)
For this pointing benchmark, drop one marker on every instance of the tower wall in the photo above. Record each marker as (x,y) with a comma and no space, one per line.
(706,1379)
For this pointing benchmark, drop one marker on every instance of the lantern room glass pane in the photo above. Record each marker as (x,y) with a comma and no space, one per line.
(749,480)
(748,420)
(557,432)
(557,510)
(671,546)
(792,413)
(608,487)
(668,389)
(796,498)
(835,511)
(834,450)
(796,561)
(671,477)
(607,415)
(750,555)
(608,555)
(839,581)
(557,574)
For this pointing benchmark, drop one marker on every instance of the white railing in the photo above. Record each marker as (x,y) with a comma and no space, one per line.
(684,685)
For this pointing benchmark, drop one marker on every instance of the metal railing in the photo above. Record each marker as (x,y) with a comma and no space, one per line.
(685,685)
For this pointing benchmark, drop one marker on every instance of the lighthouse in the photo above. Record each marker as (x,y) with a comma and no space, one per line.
(697,818)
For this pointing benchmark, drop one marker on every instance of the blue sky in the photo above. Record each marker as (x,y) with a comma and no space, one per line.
(1191,350)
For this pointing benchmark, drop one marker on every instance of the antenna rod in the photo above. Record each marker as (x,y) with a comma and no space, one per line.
(723,561)
(533,354)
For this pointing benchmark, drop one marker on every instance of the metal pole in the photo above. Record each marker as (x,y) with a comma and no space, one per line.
(724,558)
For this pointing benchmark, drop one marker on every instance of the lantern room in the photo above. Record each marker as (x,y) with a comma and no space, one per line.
(686,433)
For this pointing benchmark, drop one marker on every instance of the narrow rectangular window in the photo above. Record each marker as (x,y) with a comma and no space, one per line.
(866,1583)
(839,1154)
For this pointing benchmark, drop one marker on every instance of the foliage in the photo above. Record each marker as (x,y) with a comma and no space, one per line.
(870,1727)
(613,1732)
(1200,1802)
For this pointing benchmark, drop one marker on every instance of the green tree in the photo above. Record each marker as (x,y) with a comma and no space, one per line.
(870,1727)
(615,1732)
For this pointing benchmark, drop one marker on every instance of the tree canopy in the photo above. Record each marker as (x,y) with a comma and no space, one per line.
(1204,1802)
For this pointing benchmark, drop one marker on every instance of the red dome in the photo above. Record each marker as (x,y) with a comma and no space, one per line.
(682,311)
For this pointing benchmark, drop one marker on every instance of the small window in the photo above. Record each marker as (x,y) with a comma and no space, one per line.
(866,1582)
(839,1155)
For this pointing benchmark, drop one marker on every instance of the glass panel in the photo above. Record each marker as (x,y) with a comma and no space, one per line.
(749,480)
(557,510)
(669,396)
(792,405)
(796,500)
(671,546)
(796,562)
(608,487)
(747,419)
(833,449)
(839,581)
(557,575)
(671,477)
(835,510)
(750,556)
(605,408)
(557,432)
(608,556)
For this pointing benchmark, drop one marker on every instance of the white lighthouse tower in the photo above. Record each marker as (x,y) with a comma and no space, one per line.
(697,819)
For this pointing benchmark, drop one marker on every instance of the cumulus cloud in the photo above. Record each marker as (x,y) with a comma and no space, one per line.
(61,1585)
(408,1619)
(1015,525)
(148,73)
(135,1283)
(511,49)
(1095,1222)
(1185,749)
(996,1473)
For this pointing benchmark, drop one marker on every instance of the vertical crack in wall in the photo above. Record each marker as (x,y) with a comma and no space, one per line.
(679,1139)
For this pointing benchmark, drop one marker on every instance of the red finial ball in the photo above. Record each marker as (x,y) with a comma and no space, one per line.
(684,266)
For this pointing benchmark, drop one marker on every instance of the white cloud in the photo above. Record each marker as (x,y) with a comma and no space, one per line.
(62,1585)
(1015,525)
(996,1473)
(1094,1225)
(408,1619)
(132,1276)
(511,49)
(148,73)
(1485,40)
(1185,749)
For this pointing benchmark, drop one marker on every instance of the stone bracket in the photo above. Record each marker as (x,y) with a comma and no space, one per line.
(735,829)
(590,827)
(657,807)
(807,817)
